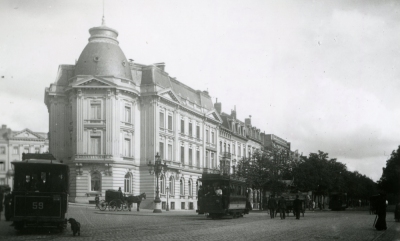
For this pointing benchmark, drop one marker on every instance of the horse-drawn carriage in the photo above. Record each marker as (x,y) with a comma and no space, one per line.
(117,201)
(290,197)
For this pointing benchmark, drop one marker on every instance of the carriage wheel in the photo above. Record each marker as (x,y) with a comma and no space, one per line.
(120,205)
(103,205)
(112,206)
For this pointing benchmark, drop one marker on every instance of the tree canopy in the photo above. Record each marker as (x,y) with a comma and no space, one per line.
(390,179)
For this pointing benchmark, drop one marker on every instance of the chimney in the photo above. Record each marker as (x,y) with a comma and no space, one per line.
(3,127)
(247,121)
(160,66)
(233,113)
(218,106)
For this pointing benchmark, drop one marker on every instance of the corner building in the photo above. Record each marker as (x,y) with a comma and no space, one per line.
(108,117)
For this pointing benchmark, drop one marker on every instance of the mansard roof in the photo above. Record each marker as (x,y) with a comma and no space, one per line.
(152,75)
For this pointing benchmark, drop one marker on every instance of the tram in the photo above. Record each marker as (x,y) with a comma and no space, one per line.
(40,195)
(231,203)
(337,201)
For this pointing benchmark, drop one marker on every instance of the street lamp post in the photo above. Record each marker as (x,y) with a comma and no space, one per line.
(167,188)
(157,169)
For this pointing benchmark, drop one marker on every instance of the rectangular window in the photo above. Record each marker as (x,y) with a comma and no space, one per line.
(95,145)
(162,120)
(198,132)
(233,149)
(207,164)
(190,157)
(207,136)
(198,158)
(182,205)
(182,126)
(239,151)
(128,114)
(26,150)
(95,111)
(213,164)
(2,181)
(212,138)
(127,147)
(170,152)
(244,152)
(161,150)
(15,150)
(37,150)
(2,150)
(190,129)
(170,122)
(2,166)
(182,154)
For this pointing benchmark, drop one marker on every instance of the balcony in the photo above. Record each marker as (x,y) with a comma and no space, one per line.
(226,155)
(95,122)
(92,157)
(127,124)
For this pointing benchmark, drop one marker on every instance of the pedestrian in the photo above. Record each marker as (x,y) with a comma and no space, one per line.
(272,206)
(7,205)
(381,211)
(1,202)
(248,199)
(282,207)
(97,200)
(297,207)
(200,196)
(313,205)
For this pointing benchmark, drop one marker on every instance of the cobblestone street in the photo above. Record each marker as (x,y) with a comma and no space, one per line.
(187,225)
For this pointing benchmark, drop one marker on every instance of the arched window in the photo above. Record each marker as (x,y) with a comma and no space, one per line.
(190,188)
(171,185)
(95,182)
(128,183)
(182,186)
(162,184)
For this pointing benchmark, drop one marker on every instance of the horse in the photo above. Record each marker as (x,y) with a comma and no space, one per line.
(135,199)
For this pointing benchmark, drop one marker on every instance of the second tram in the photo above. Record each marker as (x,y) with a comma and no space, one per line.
(231,202)
(337,201)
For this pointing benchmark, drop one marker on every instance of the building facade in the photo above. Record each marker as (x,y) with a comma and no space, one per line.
(109,117)
(13,144)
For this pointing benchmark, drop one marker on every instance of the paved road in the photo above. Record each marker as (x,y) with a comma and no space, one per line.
(185,225)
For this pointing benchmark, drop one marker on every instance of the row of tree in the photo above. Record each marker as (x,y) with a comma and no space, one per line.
(390,179)
(267,170)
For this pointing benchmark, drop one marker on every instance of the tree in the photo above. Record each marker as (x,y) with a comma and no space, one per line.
(390,179)
(264,170)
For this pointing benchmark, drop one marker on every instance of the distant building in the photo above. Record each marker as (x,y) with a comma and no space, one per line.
(13,144)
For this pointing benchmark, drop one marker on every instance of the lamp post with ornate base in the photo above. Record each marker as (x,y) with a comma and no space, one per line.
(157,169)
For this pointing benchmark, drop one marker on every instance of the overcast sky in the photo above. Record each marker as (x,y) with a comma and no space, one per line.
(323,75)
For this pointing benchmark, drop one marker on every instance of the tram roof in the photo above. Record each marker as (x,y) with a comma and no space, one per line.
(218,177)
(35,158)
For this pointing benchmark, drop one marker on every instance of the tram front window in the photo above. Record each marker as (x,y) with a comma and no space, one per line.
(39,181)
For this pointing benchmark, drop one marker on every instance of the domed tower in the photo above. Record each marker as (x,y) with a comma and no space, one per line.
(93,117)
(102,56)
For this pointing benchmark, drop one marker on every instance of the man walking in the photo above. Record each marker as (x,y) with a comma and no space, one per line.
(297,206)
(381,212)
(282,207)
(272,206)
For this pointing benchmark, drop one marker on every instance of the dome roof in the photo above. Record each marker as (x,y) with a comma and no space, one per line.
(102,56)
